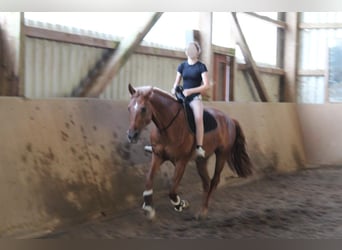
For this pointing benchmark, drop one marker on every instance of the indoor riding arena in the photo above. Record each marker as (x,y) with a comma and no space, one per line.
(68,170)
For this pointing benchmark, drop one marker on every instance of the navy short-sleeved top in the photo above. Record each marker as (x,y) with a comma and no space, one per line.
(192,74)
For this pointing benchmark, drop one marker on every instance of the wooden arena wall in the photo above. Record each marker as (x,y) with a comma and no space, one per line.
(67,161)
(322,134)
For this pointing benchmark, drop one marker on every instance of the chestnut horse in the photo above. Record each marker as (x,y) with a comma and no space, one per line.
(172,140)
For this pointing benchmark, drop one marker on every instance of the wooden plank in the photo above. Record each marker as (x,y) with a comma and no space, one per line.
(267,70)
(223,50)
(320,26)
(145,50)
(311,72)
(59,36)
(278,23)
(94,86)
(252,68)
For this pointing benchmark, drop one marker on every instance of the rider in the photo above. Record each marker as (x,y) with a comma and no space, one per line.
(195,82)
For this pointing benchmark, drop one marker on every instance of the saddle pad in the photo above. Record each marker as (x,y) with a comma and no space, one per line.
(208,120)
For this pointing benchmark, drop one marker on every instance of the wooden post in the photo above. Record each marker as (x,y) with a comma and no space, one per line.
(205,40)
(10,35)
(94,87)
(250,63)
(291,57)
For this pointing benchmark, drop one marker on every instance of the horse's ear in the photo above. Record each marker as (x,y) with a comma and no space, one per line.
(150,92)
(131,89)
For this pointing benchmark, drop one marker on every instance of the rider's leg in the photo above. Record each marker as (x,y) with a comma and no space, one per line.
(197,107)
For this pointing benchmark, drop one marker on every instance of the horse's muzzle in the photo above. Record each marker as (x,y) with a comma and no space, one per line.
(132,136)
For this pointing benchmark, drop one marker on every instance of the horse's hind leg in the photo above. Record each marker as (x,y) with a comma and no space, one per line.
(203,173)
(220,161)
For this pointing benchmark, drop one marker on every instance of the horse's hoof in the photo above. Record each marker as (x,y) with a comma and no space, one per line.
(202,215)
(149,212)
(183,204)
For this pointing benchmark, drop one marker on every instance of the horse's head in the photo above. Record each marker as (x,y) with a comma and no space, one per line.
(140,112)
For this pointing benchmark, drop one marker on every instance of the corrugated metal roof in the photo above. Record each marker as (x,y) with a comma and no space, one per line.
(142,70)
(72,30)
(169,40)
(54,69)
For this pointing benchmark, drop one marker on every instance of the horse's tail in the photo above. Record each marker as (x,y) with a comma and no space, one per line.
(239,160)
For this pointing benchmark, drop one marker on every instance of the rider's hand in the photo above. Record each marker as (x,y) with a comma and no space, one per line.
(186,92)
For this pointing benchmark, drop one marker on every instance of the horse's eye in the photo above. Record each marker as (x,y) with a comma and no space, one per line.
(143,110)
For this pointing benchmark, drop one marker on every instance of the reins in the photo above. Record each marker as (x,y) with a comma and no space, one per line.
(173,119)
(159,124)
(169,124)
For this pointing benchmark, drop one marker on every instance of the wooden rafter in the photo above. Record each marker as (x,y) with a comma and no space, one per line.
(252,67)
(278,23)
(95,84)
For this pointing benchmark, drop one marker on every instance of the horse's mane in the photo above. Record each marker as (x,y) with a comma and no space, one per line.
(145,89)
(164,93)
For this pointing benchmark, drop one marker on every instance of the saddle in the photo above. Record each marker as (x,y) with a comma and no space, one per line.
(209,122)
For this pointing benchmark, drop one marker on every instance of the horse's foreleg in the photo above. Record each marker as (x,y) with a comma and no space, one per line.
(175,200)
(148,193)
